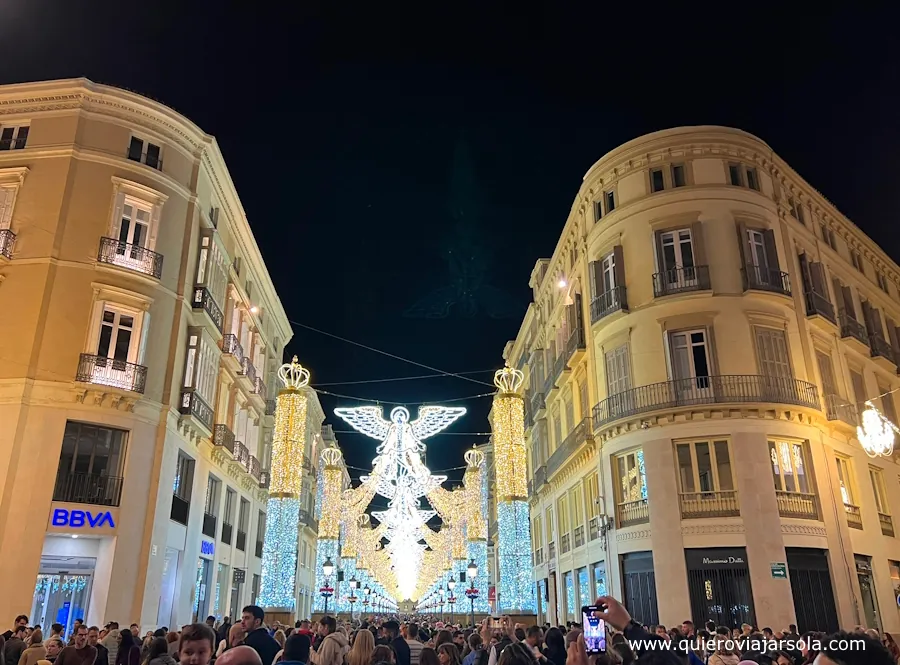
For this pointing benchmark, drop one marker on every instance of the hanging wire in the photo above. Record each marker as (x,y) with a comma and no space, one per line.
(389,355)
(353,431)
(384,401)
(401,378)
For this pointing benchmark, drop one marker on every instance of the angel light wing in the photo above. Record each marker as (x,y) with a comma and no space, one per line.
(433,419)
(365,419)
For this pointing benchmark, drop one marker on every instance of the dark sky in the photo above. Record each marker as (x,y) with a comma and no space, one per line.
(340,122)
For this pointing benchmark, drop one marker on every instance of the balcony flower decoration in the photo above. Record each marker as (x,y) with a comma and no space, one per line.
(876,434)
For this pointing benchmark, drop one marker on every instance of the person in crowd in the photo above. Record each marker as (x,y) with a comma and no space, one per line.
(135,630)
(172,638)
(554,649)
(195,647)
(305,628)
(93,639)
(56,630)
(223,630)
(838,649)
(80,653)
(128,652)
(296,649)
(280,637)
(475,649)
(891,646)
(807,653)
(54,646)
(443,636)
(622,651)
(34,650)
(460,640)
(401,648)
(361,651)
(15,645)
(211,622)
(257,637)
(333,645)
(158,653)
(687,629)
(723,655)
(448,654)
(235,638)
(412,640)
(516,653)
(383,654)
(111,641)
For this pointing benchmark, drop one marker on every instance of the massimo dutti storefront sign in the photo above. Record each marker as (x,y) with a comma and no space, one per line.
(716,558)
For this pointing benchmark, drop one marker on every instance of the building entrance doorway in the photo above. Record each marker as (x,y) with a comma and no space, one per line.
(62,591)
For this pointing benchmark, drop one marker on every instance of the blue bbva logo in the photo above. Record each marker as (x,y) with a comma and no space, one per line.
(207,548)
(80,518)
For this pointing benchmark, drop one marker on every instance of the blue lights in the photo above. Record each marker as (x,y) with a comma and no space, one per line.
(327,549)
(279,561)
(516,591)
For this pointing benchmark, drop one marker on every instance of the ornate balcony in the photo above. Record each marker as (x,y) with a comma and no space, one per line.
(796,504)
(570,444)
(259,387)
(7,242)
(270,407)
(248,370)
(537,405)
(681,280)
(575,345)
(91,488)
(105,371)
(630,513)
(264,478)
(132,257)
(839,408)
(727,389)
(241,454)
(254,468)
(762,278)
(887,524)
(854,518)
(697,505)
(224,437)
(194,405)
(232,347)
(819,305)
(881,350)
(608,303)
(852,329)
(540,477)
(203,300)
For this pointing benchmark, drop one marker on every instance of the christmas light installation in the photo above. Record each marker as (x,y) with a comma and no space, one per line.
(876,434)
(403,479)
(279,560)
(516,586)
(327,546)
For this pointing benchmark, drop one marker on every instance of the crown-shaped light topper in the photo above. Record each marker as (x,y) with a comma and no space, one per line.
(293,375)
(474,457)
(363,521)
(331,456)
(508,380)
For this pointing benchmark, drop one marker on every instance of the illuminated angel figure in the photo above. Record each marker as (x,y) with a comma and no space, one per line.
(399,454)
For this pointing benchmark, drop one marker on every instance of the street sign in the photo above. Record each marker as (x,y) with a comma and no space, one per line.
(779,571)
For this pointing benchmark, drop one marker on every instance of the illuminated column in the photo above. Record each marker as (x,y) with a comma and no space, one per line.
(329,526)
(279,561)
(516,588)
(476,525)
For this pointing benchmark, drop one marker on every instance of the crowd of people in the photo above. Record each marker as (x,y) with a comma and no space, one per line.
(385,640)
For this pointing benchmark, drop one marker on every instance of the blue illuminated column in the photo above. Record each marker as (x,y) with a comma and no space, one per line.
(328,545)
(279,560)
(516,586)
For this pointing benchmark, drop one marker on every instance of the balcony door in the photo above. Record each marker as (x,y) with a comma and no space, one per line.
(116,331)
(775,365)
(677,259)
(690,366)
(134,234)
(618,382)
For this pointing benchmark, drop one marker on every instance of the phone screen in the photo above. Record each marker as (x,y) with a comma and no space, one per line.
(495,622)
(594,630)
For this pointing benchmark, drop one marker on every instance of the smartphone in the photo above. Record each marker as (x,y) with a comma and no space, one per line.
(594,630)
(496,622)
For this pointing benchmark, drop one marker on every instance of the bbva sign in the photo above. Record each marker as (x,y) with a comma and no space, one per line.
(82,518)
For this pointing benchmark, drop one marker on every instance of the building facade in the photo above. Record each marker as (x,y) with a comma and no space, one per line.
(697,354)
(140,340)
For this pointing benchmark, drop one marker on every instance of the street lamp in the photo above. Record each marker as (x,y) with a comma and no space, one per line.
(441,594)
(326,590)
(472,592)
(451,585)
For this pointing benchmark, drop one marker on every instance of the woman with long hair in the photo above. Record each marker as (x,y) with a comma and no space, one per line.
(429,657)
(555,650)
(891,646)
(444,636)
(384,654)
(129,652)
(158,652)
(448,653)
(362,650)
(517,654)
(279,637)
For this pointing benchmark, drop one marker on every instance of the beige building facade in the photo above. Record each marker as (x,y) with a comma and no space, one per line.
(697,354)
(138,348)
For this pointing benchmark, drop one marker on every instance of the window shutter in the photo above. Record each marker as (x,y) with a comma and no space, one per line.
(744,244)
(117,215)
(867,316)
(579,316)
(7,196)
(892,334)
(660,260)
(849,306)
(805,272)
(698,244)
(819,280)
(619,269)
(771,250)
(596,278)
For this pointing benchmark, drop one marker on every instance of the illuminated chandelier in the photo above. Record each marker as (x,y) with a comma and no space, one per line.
(876,434)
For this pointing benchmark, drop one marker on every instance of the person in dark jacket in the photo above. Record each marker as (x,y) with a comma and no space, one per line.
(401,648)
(15,645)
(129,651)
(296,650)
(258,637)
(94,641)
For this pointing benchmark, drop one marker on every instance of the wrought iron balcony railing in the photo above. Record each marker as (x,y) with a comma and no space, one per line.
(723,503)
(133,257)
(92,488)
(259,387)
(224,437)
(887,524)
(241,453)
(838,408)
(734,388)
(629,513)
(852,328)
(232,347)
(7,242)
(540,477)
(609,302)
(110,372)
(880,347)
(854,517)
(248,370)
(537,403)
(681,280)
(194,405)
(581,433)
(575,342)
(816,303)
(254,468)
(797,504)
(270,407)
(762,278)
(203,300)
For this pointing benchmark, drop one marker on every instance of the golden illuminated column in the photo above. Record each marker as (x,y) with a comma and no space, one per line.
(279,561)
(516,587)
(327,547)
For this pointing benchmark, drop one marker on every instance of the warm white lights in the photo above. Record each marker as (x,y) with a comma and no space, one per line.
(562,283)
(876,434)
(254,309)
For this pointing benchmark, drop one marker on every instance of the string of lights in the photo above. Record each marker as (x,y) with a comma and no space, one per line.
(390,403)
(403,378)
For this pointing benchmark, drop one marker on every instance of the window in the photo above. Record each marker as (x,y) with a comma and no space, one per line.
(228,516)
(618,374)
(201,365)
(184,477)
(771,346)
(213,489)
(537,532)
(145,153)
(600,578)
(91,465)
(584,403)
(592,490)
(632,485)
(704,466)
(845,478)
(856,260)
(260,533)
(13,138)
(576,501)
(789,466)
(116,335)
(881,503)
(676,257)
(609,199)
(690,359)
(7,202)
(657,182)
(752,178)
(243,525)
(797,210)
(828,235)
(134,224)
(882,282)
(548,524)
(826,372)
(757,241)
(887,403)
(859,391)
(570,414)
(735,175)
(557,429)
(212,267)
(678,179)
(562,517)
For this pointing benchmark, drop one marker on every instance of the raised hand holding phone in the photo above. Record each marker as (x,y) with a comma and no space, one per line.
(594,628)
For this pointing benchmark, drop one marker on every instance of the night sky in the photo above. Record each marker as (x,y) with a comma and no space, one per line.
(371,143)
